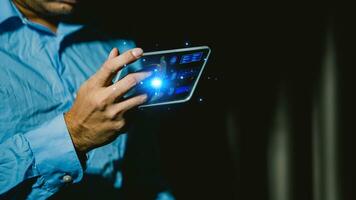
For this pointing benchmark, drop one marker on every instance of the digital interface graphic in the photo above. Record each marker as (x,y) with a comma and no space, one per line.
(175,74)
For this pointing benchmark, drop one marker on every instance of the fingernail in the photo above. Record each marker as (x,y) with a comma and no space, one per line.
(144,97)
(137,52)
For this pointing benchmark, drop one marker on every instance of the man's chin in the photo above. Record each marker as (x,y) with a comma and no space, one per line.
(60,8)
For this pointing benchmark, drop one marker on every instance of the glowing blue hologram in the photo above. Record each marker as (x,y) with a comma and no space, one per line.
(173,60)
(195,57)
(182,89)
(171,91)
(174,75)
(156,83)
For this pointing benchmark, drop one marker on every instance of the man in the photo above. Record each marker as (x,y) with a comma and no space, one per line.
(61,115)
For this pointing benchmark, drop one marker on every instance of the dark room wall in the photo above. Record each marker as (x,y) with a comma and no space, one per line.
(262,129)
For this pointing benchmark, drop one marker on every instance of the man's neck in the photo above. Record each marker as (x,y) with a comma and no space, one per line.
(34,17)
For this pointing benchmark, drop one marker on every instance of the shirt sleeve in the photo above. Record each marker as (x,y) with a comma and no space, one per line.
(46,153)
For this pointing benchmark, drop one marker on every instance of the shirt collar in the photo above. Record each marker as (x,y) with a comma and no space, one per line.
(8,10)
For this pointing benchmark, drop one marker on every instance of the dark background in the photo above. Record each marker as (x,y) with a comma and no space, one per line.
(258,50)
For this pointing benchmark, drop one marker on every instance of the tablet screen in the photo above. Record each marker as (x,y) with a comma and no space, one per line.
(175,74)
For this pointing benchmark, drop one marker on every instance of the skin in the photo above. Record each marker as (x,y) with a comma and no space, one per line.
(46,12)
(96,116)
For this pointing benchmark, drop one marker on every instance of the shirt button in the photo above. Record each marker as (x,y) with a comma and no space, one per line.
(67,179)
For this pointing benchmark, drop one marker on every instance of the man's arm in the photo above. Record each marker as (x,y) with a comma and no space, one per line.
(46,154)
(50,152)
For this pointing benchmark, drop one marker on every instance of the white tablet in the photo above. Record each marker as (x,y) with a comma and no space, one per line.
(175,75)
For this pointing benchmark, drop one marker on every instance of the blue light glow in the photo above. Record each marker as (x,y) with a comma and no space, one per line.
(182,89)
(156,83)
(173,60)
(194,57)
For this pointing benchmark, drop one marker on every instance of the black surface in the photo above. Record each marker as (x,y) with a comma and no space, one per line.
(256,49)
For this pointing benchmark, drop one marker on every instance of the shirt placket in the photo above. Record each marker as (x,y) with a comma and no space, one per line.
(68,95)
(53,44)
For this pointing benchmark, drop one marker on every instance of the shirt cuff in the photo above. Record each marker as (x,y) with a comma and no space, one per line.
(55,156)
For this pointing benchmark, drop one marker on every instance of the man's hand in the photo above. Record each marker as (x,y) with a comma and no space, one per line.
(96,115)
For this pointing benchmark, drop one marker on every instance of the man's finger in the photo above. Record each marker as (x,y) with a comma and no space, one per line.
(121,87)
(113,53)
(112,66)
(128,104)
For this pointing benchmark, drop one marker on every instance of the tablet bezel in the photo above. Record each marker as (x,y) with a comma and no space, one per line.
(196,81)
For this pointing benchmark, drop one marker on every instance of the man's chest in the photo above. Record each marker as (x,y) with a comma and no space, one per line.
(38,83)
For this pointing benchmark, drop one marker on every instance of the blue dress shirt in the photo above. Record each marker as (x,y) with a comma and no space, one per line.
(40,72)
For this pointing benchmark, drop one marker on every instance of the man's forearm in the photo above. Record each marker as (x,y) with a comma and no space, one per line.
(45,153)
